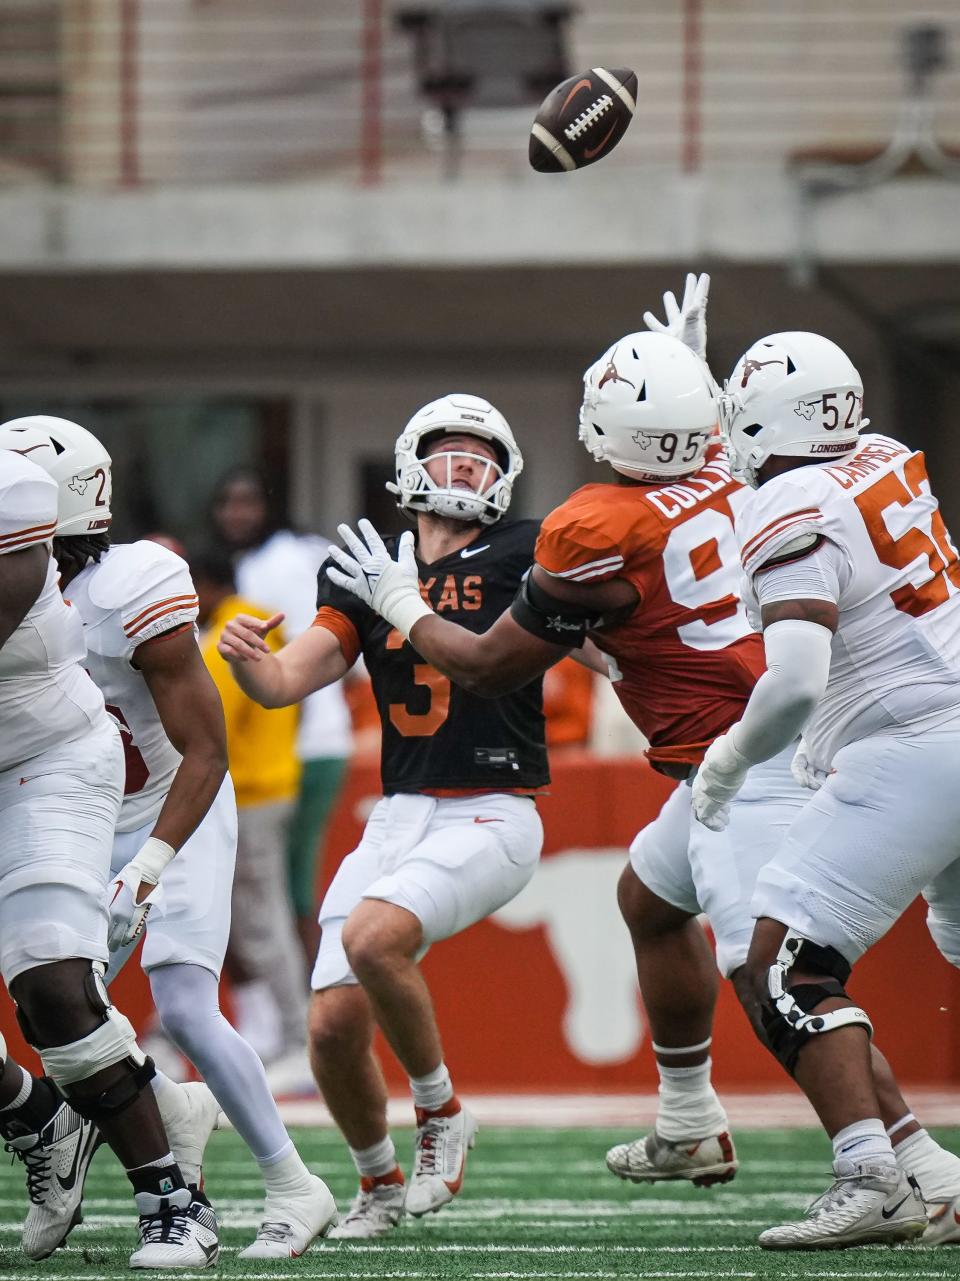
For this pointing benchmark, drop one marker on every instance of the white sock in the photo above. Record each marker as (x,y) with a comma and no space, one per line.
(688,1107)
(170,1098)
(864,1141)
(934,1168)
(377,1160)
(433,1090)
(286,1175)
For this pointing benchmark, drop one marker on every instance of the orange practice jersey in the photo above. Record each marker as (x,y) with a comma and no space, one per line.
(687,655)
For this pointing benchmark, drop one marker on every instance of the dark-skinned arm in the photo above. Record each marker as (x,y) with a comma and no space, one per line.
(22,576)
(506,656)
(192,717)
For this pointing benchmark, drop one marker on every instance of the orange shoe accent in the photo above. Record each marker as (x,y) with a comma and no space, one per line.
(370,1181)
(450,1108)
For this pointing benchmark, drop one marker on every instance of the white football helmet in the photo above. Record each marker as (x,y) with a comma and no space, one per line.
(457,413)
(792,394)
(649,408)
(77,462)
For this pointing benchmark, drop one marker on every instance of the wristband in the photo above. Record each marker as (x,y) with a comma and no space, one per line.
(151,858)
(402,606)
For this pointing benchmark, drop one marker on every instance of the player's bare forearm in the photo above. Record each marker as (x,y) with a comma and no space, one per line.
(311,661)
(192,717)
(22,576)
(263,681)
(490,664)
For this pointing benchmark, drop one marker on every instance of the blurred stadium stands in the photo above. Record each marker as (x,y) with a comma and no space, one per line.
(128,92)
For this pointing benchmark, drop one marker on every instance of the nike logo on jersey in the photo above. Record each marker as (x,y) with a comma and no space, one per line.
(888,1214)
(488,820)
(473,551)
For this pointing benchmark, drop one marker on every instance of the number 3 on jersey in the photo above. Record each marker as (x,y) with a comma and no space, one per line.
(701,565)
(421,724)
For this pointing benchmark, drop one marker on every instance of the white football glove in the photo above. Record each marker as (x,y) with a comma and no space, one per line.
(717,782)
(127,916)
(805,772)
(687,320)
(390,587)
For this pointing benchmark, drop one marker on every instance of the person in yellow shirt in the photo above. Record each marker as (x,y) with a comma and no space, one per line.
(265,960)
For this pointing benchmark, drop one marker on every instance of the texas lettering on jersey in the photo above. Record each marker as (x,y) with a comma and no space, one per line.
(687,655)
(437,736)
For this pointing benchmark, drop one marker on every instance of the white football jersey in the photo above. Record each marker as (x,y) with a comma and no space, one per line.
(46,697)
(137,591)
(896,653)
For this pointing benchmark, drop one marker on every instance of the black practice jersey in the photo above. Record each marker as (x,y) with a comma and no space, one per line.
(437,736)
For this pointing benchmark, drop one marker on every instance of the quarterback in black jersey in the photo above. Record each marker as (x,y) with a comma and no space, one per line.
(456,834)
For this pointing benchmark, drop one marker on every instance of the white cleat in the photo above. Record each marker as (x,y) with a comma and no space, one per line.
(651,1159)
(868,1204)
(179,1238)
(375,1212)
(289,1228)
(440,1158)
(190,1126)
(943,1223)
(57,1159)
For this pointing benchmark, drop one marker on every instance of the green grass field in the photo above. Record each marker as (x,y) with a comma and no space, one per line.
(536,1203)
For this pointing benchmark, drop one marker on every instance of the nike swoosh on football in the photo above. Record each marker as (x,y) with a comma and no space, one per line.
(474,551)
(888,1214)
(590,152)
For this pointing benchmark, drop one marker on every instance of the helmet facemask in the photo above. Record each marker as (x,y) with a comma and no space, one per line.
(456,415)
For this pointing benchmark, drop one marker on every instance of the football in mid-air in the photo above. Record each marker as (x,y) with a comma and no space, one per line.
(583,119)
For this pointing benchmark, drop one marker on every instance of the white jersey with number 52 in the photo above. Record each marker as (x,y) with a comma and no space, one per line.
(896,654)
(136,592)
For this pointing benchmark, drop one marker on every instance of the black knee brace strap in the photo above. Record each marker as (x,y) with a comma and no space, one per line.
(115,1098)
(788,1032)
(822,960)
(786,1041)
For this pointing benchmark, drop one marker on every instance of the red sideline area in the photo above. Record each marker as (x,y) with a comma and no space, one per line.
(506,1003)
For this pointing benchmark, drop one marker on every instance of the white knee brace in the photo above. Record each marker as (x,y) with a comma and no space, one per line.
(112,1042)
